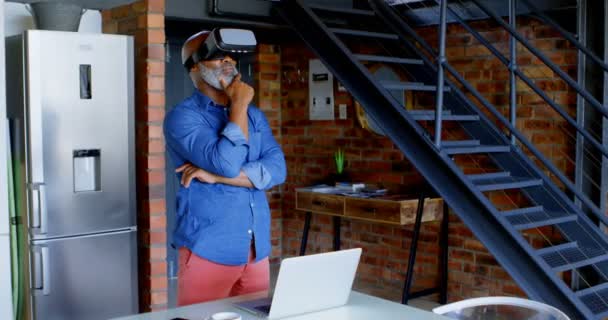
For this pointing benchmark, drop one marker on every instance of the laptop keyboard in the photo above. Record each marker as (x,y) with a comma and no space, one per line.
(265,308)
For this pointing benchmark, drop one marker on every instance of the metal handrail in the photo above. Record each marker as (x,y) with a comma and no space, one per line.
(568,35)
(530,83)
(594,102)
(440,75)
(412,33)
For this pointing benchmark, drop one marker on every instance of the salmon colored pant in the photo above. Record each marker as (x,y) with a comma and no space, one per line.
(200,280)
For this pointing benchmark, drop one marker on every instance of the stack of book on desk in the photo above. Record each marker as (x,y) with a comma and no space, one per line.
(359,190)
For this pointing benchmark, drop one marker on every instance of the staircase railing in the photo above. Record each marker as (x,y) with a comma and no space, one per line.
(441,64)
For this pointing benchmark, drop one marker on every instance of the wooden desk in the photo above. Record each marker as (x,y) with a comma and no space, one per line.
(395,210)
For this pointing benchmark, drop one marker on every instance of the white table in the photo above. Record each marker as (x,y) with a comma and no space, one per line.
(359,307)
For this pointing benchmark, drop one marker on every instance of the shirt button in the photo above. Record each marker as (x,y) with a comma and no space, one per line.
(249,231)
(252,204)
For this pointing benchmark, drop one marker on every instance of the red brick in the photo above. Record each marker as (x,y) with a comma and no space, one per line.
(158,283)
(110,27)
(151,21)
(139,7)
(158,222)
(155,115)
(158,252)
(156,162)
(158,237)
(267,48)
(121,12)
(158,268)
(155,83)
(157,6)
(155,177)
(106,15)
(155,68)
(158,298)
(153,52)
(154,131)
(127,26)
(157,206)
(155,99)
(155,146)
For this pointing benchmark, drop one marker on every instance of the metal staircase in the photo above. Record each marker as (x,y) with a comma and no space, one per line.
(580,251)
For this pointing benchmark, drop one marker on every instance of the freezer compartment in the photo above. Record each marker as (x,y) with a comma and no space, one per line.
(87,277)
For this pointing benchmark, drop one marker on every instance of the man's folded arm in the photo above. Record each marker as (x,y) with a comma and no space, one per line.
(189,135)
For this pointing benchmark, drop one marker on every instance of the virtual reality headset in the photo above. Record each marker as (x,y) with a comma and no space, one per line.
(223,42)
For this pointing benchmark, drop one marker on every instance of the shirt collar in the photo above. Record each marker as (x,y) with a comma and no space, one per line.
(205,102)
(202,100)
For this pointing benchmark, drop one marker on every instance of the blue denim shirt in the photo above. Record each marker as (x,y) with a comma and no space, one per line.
(218,221)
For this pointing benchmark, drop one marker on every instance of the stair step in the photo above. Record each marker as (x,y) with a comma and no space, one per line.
(519,211)
(368,57)
(596,299)
(351,32)
(413,86)
(586,291)
(460,143)
(603,297)
(454,117)
(507,183)
(558,247)
(478,149)
(572,258)
(342,10)
(429,115)
(545,222)
(534,217)
(491,175)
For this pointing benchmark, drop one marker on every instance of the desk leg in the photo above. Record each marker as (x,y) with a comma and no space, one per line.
(413,247)
(443,256)
(305,233)
(337,222)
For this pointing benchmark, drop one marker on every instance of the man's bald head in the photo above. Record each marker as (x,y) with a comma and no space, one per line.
(192,44)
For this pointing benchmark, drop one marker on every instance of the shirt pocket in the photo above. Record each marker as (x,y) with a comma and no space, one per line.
(255,145)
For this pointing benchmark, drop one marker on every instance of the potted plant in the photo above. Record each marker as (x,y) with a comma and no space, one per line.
(341,175)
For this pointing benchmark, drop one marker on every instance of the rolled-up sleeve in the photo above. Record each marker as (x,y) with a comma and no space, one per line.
(270,169)
(234,133)
(191,136)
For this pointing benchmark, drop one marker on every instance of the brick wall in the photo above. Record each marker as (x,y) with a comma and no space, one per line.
(309,146)
(144,20)
(544,127)
(267,84)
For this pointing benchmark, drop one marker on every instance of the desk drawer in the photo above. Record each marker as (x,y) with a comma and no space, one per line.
(394,212)
(381,211)
(321,203)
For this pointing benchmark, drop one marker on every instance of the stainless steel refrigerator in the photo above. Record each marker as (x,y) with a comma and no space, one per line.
(71,105)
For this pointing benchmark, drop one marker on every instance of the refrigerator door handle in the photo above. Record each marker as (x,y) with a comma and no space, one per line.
(43,209)
(42,280)
(39,208)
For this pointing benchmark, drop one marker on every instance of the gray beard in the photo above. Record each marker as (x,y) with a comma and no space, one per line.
(213,76)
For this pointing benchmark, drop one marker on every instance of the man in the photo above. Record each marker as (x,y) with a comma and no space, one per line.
(226,157)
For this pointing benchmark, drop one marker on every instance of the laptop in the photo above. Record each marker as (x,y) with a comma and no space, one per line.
(309,283)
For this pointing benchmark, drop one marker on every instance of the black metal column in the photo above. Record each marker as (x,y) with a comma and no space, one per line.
(413,248)
(337,222)
(305,233)
(443,252)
